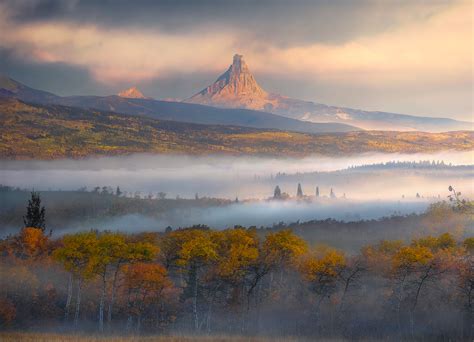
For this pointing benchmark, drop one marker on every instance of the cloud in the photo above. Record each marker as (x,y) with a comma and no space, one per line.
(435,49)
(416,56)
(115,55)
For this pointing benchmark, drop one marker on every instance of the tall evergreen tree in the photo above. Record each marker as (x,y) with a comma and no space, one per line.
(299,191)
(317,191)
(35,213)
(277,192)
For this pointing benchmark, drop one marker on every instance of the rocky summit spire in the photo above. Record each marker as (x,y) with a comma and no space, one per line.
(236,88)
(132,93)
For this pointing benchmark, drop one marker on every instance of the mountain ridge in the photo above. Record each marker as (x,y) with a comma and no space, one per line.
(238,88)
(174,111)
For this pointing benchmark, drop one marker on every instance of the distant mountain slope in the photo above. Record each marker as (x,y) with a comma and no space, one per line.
(12,88)
(34,131)
(166,110)
(237,88)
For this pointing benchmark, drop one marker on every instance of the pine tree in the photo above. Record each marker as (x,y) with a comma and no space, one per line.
(118,192)
(317,191)
(35,213)
(277,192)
(299,191)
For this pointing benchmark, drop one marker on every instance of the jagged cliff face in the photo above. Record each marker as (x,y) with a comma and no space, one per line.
(236,88)
(132,93)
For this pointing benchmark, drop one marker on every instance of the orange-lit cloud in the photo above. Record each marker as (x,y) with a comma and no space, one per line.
(439,48)
(434,50)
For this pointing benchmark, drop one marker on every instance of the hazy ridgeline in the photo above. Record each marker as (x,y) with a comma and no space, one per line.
(276,282)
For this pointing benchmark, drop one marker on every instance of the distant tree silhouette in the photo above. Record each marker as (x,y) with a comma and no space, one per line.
(317,191)
(35,213)
(277,192)
(118,193)
(332,194)
(299,191)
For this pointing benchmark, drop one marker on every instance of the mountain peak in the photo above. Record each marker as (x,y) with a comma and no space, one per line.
(235,88)
(132,93)
(238,64)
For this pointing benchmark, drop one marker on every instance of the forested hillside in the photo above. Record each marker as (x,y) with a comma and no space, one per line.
(241,281)
(50,132)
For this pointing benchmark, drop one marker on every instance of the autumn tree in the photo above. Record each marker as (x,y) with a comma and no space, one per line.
(107,251)
(414,267)
(282,248)
(77,255)
(238,251)
(31,243)
(145,283)
(195,254)
(279,251)
(132,252)
(322,268)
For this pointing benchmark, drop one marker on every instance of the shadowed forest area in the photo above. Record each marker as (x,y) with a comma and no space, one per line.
(279,281)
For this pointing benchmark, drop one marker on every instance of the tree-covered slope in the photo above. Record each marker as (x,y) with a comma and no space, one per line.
(52,131)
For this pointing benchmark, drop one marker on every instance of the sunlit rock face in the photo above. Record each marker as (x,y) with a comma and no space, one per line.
(236,88)
(132,93)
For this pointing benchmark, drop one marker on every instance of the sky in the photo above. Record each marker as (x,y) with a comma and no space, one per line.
(402,56)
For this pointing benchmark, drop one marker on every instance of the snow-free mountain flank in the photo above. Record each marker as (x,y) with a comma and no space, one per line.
(235,88)
(238,88)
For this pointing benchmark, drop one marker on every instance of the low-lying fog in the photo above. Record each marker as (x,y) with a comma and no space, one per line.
(257,214)
(361,194)
(242,177)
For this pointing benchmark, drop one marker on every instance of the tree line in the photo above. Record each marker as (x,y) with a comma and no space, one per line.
(236,281)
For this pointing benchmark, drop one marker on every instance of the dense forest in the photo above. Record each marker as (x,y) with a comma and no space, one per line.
(241,281)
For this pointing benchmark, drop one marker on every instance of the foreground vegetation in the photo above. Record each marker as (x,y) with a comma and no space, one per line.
(50,132)
(238,282)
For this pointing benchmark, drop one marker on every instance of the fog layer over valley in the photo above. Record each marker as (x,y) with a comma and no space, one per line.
(181,191)
(242,177)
